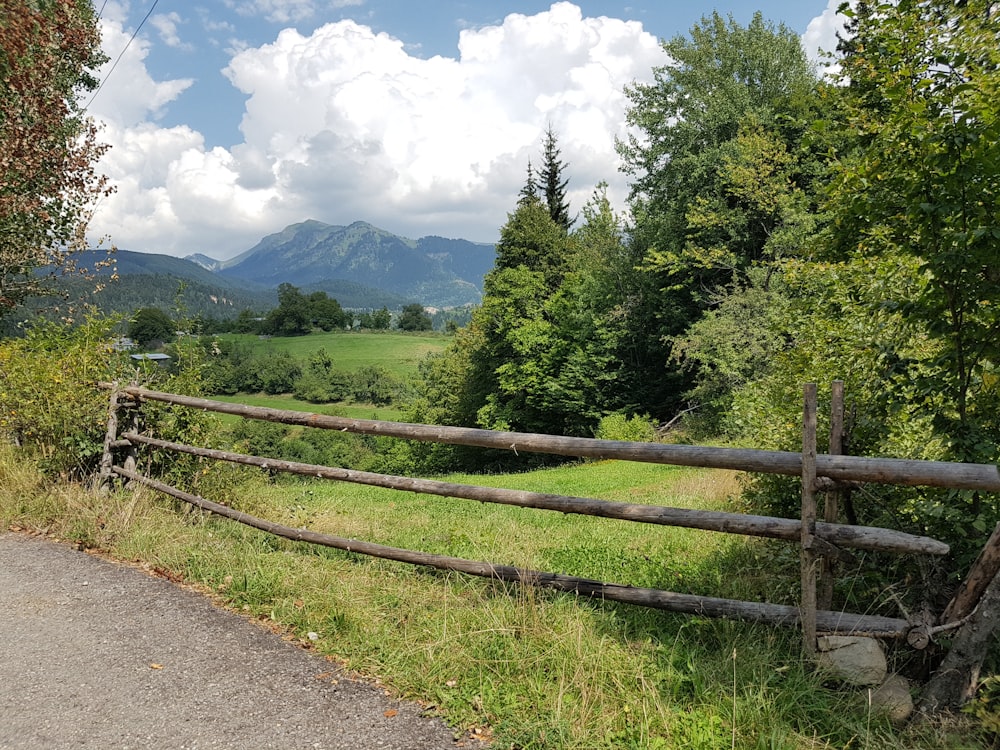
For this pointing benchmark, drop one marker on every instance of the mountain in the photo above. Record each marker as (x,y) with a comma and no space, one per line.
(432,270)
(166,282)
(209,264)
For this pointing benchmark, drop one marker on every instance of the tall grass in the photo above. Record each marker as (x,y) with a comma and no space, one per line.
(535,668)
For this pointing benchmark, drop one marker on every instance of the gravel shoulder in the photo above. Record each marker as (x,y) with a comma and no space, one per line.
(96,654)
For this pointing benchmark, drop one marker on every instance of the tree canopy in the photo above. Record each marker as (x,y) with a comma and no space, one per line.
(48,147)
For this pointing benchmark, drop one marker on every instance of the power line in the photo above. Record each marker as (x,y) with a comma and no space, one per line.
(122,53)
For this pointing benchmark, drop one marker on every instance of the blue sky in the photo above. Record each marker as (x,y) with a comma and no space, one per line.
(229,120)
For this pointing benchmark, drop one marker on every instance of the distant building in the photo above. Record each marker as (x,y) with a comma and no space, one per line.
(161,360)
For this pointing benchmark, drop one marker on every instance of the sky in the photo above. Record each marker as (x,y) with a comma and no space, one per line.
(231,119)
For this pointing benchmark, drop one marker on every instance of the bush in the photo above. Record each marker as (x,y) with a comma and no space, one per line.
(375,385)
(278,372)
(49,400)
(619,427)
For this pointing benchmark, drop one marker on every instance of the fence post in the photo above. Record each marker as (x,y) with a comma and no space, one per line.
(105,475)
(808,556)
(831,505)
(131,459)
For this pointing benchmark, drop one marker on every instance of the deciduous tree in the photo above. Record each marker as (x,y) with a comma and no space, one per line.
(149,325)
(48,147)
(921,91)
(414,318)
(714,153)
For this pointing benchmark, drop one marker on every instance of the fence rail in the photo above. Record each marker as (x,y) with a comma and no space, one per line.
(895,471)
(818,540)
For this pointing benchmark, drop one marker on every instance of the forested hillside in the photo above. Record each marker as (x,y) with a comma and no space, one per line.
(433,270)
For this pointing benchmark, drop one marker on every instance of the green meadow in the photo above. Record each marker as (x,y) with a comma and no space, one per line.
(399,353)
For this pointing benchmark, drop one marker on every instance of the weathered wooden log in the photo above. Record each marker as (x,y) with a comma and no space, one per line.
(859,537)
(981,573)
(773,614)
(903,472)
(110,438)
(824,593)
(955,681)
(808,558)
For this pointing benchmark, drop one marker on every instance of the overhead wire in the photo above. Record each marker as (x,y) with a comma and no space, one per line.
(122,53)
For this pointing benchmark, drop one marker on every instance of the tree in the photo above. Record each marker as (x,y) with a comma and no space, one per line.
(379,320)
(48,147)
(716,158)
(530,189)
(414,318)
(922,85)
(149,325)
(530,238)
(726,174)
(325,312)
(292,316)
(551,182)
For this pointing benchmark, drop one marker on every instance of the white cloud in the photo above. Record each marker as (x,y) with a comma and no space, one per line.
(344,124)
(820,37)
(286,11)
(128,95)
(166,25)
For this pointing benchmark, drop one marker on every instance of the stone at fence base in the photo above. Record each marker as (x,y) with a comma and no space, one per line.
(893,699)
(852,659)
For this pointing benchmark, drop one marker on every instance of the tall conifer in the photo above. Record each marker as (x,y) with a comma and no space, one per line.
(551,182)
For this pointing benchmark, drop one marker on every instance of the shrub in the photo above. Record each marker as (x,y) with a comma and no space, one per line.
(375,385)
(49,400)
(619,427)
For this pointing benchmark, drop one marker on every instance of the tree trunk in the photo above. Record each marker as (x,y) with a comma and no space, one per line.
(954,682)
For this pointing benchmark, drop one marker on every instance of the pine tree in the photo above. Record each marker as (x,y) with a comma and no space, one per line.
(529,192)
(551,183)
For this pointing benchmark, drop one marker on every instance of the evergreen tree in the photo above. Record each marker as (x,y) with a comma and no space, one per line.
(531,239)
(551,183)
(530,190)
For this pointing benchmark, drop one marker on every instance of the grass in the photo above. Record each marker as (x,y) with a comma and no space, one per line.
(399,353)
(535,668)
(288,401)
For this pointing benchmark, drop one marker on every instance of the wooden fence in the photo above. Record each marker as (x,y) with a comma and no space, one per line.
(822,542)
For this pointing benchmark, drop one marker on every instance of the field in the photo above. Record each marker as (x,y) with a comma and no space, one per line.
(287,401)
(531,668)
(399,353)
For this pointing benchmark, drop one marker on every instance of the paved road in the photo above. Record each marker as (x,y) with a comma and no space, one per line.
(99,655)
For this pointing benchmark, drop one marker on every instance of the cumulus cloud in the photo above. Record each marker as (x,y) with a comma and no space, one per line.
(343,124)
(820,37)
(129,95)
(166,25)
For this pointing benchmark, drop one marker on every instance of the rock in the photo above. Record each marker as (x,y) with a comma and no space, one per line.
(852,659)
(893,698)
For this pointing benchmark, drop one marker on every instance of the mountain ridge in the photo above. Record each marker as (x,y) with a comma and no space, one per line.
(432,270)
